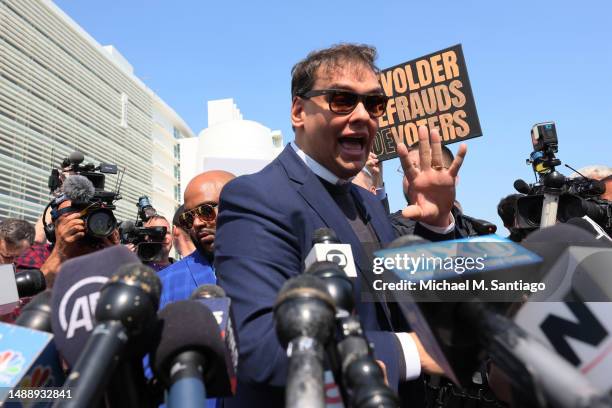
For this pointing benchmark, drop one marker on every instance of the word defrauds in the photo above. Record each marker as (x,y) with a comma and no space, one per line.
(433,91)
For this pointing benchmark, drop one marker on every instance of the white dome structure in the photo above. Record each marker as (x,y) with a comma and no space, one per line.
(230,143)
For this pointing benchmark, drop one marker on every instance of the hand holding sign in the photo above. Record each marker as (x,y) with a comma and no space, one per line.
(431,186)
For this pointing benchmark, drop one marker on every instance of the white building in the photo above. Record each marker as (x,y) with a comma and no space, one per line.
(229,143)
(62,91)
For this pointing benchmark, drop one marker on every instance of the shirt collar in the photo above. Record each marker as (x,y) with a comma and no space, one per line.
(317,168)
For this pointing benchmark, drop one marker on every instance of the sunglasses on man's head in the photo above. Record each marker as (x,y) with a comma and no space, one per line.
(343,102)
(205,212)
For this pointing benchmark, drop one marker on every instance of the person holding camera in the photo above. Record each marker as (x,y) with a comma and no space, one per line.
(70,238)
(163,259)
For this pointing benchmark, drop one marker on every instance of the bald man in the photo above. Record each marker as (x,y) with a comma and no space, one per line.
(199,219)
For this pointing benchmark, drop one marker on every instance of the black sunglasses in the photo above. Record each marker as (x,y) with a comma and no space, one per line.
(205,212)
(343,102)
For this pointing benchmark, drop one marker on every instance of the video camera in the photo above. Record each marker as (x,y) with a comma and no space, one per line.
(147,240)
(553,197)
(83,185)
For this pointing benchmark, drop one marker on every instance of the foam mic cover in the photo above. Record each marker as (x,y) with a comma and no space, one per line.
(37,313)
(188,325)
(208,292)
(76,157)
(324,236)
(591,226)
(75,295)
(30,282)
(215,299)
(79,189)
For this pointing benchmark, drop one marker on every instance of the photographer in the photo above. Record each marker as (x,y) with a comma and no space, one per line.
(163,258)
(600,173)
(180,238)
(70,239)
(16,237)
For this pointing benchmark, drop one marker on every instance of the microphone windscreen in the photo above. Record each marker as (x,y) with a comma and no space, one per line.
(188,325)
(323,269)
(324,236)
(302,282)
(37,313)
(142,276)
(127,226)
(75,294)
(207,291)
(591,227)
(76,157)
(30,282)
(79,189)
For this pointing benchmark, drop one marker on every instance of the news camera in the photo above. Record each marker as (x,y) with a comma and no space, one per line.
(553,197)
(84,186)
(147,240)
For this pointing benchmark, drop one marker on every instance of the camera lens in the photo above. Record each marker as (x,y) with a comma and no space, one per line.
(101,223)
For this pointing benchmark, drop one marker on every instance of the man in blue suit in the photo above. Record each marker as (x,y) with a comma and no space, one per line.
(267,219)
(200,219)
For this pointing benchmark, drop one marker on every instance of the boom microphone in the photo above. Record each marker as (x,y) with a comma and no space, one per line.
(190,357)
(126,311)
(215,299)
(304,316)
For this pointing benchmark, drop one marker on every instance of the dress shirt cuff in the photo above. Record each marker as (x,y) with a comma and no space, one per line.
(411,356)
(381,193)
(441,230)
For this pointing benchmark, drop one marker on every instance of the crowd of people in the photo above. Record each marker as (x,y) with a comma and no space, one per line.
(250,234)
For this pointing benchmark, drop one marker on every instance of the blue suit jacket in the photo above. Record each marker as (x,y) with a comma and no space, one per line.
(264,232)
(181,278)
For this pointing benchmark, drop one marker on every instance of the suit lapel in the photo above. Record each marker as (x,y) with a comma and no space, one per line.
(317,197)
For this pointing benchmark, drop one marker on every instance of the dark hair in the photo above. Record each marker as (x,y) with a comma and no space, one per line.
(177,214)
(13,231)
(157,217)
(303,74)
(447,154)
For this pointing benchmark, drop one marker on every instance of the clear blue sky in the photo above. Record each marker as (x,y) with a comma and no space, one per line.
(528,62)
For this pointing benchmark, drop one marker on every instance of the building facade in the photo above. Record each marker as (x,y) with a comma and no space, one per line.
(61,91)
(229,143)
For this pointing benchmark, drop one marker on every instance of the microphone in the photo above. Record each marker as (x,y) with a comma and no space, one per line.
(78,189)
(522,187)
(126,310)
(37,313)
(540,376)
(482,227)
(355,369)
(29,359)
(327,247)
(76,157)
(30,282)
(215,299)
(75,295)
(190,359)
(304,319)
(587,224)
(573,316)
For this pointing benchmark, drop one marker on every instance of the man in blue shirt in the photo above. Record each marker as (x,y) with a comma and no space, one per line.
(200,220)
